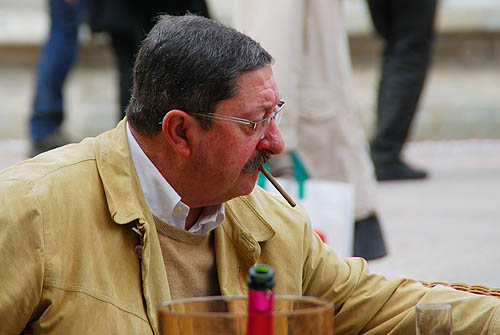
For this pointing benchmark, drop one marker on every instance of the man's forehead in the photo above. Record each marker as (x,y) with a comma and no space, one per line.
(258,84)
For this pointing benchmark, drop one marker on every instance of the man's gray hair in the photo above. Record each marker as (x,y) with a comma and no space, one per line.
(189,63)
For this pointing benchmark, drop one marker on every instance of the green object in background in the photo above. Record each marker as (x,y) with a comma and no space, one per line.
(301,174)
(299,170)
(261,179)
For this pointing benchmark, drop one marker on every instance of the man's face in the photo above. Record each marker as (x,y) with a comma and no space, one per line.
(229,154)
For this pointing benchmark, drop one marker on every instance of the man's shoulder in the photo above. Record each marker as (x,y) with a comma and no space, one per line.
(61,161)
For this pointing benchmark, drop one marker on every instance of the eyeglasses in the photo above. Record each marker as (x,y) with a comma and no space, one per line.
(257,126)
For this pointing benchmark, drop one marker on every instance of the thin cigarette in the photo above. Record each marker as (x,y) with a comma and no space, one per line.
(278,187)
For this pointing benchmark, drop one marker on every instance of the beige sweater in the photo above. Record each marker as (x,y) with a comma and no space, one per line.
(190,261)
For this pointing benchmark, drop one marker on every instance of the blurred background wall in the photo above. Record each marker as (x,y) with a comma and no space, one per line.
(461,98)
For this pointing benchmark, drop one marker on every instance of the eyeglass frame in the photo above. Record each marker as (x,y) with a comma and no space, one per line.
(250,124)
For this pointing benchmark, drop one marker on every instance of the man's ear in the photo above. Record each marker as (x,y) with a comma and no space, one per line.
(178,129)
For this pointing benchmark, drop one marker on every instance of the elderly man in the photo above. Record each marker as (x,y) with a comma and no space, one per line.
(93,236)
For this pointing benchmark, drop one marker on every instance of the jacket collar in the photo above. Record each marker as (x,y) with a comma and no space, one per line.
(124,195)
(248,218)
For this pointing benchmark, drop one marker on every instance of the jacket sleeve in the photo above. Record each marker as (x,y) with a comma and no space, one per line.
(368,303)
(21,256)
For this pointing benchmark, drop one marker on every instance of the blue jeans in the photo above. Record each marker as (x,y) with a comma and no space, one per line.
(56,59)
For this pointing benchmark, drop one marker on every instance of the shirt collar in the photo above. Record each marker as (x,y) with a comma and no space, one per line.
(163,200)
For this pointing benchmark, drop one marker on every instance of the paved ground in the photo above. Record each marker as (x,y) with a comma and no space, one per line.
(446,228)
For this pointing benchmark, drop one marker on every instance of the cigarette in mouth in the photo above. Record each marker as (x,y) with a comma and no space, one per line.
(277,186)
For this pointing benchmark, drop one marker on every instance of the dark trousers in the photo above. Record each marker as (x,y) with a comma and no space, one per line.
(128,23)
(125,45)
(407,28)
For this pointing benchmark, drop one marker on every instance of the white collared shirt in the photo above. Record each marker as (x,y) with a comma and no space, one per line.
(163,200)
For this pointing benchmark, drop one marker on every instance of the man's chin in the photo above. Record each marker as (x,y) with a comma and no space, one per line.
(251,179)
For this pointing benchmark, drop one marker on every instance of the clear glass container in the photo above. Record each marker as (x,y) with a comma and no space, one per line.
(219,315)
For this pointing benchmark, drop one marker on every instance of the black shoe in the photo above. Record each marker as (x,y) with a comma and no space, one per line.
(368,239)
(398,171)
(54,140)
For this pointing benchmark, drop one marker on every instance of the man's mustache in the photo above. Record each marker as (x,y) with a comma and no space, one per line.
(255,163)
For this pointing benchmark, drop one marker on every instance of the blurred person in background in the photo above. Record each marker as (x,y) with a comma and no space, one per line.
(313,70)
(128,22)
(56,58)
(407,29)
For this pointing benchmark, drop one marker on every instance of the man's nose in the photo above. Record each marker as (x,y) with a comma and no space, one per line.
(272,140)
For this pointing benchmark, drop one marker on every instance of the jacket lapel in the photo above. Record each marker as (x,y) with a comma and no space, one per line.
(237,245)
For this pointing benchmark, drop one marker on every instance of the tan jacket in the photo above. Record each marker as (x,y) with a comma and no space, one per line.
(79,254)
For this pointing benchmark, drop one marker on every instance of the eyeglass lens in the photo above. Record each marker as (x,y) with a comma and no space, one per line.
(267,122)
